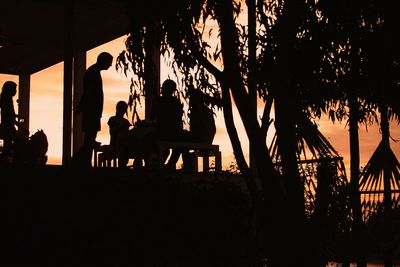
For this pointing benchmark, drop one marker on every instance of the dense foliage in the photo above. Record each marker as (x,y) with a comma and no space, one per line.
(302,58)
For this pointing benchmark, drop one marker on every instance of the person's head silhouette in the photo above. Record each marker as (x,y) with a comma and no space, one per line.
(121,108)
(168,87)
(104,60)
(9,89)
(197,98)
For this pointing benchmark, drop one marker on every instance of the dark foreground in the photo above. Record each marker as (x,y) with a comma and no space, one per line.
(53,216)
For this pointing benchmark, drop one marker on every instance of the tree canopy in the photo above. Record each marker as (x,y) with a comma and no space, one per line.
(302,58)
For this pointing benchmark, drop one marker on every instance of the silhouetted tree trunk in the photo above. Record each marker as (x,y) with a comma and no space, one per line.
(387,195)
(151,65)
(284,205)
(271,190)
(354,176)
(251,7)
(278,198)
(284,92)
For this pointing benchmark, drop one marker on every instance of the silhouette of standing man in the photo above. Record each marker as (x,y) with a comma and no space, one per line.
(91,107)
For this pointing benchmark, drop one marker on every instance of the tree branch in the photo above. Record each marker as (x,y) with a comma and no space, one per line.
(266,121)
(194,47)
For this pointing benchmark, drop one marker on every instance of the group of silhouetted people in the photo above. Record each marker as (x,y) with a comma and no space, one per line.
(167,112)
(166,121)
(127,140)
(165,124)
(166,117)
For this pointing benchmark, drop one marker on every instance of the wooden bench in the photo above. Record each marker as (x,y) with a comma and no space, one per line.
(196,150)
(106,157)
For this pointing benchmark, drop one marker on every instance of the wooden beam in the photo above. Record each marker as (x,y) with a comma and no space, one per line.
(79,72)
(24,92)
(68,68)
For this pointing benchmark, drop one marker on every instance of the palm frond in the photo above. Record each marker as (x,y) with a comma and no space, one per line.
(382,165)
(383,161)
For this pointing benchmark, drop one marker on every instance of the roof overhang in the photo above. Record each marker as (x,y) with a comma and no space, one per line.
(32,33)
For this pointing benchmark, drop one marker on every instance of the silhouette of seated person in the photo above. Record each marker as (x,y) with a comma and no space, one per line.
(201,118)
(127,142)
(140,144)
(119,129)
(167,114)
(201,122)
(9,120)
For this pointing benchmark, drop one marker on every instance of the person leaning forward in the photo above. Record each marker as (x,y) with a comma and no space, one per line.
(91,107)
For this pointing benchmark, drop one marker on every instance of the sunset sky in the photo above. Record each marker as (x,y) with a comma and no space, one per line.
(47,101)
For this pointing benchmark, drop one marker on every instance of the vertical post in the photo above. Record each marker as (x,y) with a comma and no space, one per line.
(355,177)
(354,156)
(387,191)
(67,107)
(79,71)
(251,13)
(152,66)
(385,47)
(24,92)
(387,199)
(383,109)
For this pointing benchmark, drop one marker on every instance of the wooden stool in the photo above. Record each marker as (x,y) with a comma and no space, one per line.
(206,155)
(196,150)
(105,156)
